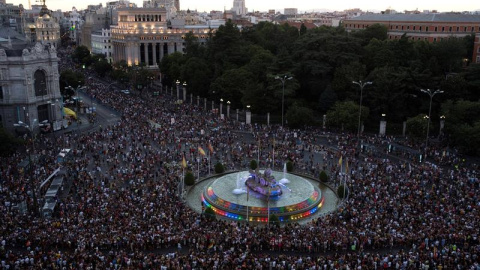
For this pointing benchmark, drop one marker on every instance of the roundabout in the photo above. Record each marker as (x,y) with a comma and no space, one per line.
(231,196)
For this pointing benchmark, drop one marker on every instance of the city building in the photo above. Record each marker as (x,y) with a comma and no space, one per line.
(431,27)
(29,86)
(290,11)
(94,23)
(239,7)
(143,37)
(102,44)
(73,22)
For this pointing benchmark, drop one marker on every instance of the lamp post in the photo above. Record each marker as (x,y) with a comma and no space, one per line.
(431,94)
(283,79)
(228,109)
(248,116)
(178,89)
(221,107)
(184,91)
(362,85)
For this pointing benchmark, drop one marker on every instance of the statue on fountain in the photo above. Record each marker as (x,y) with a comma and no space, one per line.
(264,184)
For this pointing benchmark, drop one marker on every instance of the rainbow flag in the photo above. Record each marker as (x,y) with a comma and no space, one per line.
(201,151)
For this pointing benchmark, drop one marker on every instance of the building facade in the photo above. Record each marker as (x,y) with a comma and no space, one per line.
(142,36)
(429,27)
(102,44)
(290,11)
(47,30)
(239,7)
(29,86)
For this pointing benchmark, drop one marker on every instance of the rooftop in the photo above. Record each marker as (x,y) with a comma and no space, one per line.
(434,17)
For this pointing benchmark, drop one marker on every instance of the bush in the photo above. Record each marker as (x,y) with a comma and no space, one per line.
(253,164)
(210,214)
(274,221)
(341,191)
(219,168)
(289,166)
(323,177)
(189,179)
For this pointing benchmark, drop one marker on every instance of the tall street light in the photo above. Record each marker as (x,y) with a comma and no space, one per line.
(362,85)
(431,94)
(283,79)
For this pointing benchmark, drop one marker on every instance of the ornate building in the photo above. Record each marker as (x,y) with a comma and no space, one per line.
(29,87)
(239,7)
(429,27)
(142,36)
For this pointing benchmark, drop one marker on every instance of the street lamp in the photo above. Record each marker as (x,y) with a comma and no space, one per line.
(178,90)
(431,94)
(362,85)
(283,79)
(184,91)
(221,107)
(228,109)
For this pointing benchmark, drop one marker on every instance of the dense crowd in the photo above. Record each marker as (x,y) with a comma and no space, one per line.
(123,209)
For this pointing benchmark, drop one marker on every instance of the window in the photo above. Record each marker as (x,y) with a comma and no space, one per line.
(1,92)
(40,83)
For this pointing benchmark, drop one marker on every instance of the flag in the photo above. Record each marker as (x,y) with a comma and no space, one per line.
(201,151)
(184,162)
(210,148)
(340,161)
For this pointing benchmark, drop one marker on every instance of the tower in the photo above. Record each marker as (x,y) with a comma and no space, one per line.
(239,7)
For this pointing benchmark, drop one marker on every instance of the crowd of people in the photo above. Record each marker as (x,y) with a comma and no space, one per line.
(124,210)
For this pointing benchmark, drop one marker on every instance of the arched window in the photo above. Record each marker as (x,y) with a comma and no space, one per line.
(40,83)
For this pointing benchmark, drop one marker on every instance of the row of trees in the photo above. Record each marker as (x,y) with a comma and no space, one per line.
(241,66)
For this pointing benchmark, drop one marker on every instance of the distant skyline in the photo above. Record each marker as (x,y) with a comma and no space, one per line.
(279,5)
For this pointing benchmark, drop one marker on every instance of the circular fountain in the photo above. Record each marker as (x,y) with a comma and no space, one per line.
(248,195)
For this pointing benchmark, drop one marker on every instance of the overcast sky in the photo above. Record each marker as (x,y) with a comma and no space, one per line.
(279,5)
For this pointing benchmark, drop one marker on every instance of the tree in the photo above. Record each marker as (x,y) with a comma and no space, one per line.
(102,67)
(81,55)
(417,127)
(462,124)
(374,31)
(299,116)
(231,85)
(344,115)
(171,66)
(189,179)
(323,177)
(303,29)
(219,168)
(70,78)
(253,164)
